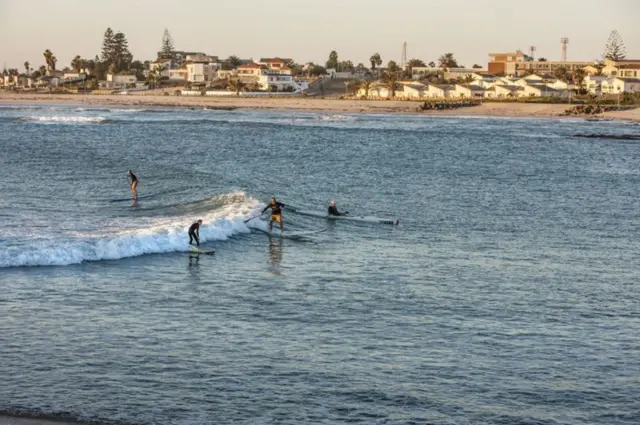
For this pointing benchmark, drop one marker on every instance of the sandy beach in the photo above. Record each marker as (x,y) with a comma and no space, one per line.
(305,104)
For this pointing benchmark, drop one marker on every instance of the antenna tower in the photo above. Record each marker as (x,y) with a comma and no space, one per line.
(404,56)
(532,52)
(564,41)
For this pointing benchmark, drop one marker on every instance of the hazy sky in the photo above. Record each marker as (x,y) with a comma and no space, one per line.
(307,30)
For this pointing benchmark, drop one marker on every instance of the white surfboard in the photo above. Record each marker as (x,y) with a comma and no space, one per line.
(358,218)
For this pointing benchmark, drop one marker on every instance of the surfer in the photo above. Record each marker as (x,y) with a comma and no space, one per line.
(333,210)
(133,183)
(194,233)
(276,213)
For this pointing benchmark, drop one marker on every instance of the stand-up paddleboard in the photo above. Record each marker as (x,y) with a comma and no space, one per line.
(131,199)
(193,250)
(291,234)
(358,218)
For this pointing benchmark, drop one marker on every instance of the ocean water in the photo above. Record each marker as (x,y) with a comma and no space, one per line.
(508,293)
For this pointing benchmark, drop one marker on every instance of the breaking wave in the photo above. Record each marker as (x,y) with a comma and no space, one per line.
(159,235)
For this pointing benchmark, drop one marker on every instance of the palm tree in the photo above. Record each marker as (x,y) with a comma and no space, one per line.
(26,67)
(50,59)
(365,85)
(43,70)
(236,85)
(76,64)
(448,61)
(391,82)
(375,60)
(468,79)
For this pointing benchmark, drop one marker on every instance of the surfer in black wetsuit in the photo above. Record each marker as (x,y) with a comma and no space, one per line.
(276,213)
(194,233)
(133,183)
(333,210)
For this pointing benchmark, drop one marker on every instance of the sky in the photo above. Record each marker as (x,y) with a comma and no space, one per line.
(307,30)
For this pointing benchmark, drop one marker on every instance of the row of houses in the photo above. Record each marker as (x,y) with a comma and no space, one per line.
(483,86)
(270,74)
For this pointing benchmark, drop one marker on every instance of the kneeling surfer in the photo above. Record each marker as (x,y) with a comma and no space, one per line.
(194,232)
(333,210)
(276,213)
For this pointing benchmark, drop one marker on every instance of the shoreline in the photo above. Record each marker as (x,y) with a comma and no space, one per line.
(312,104)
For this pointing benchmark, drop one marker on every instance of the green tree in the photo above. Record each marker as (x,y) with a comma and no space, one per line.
(43,70)
(469,79)
(166,51)
(448,61)
(578,76)
(233,61)
(615,49)
(236,85)
(317,70)
(415,63)
(332,63)
(108,46)
(50,60)
(432,64)
(542,59)
(392,66)
(346,66)
(361,68)
(366,86)
(138,67)
(476,66)
(562,74)
(391,81)
(76,64)
(375,61)
(122,56)
(26,67)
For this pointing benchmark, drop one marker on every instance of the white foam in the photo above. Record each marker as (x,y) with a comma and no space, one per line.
(66,119)
(164,235)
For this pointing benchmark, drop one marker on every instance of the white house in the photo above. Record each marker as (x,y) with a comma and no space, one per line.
(616,85)
(277,82)
(226,73)
(249,72)
(178,75)
(593,83)
(412,91)
(467,91)
(438,91)
(201,68)
(484,80)
(504,90)
(164,64)
(541,90)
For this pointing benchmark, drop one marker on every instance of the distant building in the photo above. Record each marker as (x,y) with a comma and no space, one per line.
(623,68)
(275,63)
(201,68)
(618,85)
(518,64)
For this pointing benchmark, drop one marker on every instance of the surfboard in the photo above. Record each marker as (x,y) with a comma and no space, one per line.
(199,251)
(131,199)
(295,234)
(358,218)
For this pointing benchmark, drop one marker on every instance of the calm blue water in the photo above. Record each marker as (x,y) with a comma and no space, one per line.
(508,294)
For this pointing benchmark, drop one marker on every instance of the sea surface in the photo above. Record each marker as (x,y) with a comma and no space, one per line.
(508,294)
